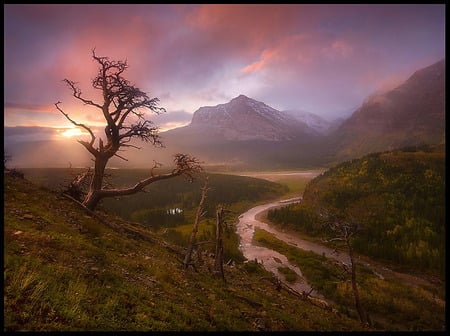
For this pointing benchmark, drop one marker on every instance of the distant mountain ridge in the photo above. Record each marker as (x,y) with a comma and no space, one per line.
(411,114)
(243,132)
(314,121)
(247,131)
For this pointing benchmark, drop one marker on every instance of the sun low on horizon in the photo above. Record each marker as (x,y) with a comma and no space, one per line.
(71,132)
(322,59)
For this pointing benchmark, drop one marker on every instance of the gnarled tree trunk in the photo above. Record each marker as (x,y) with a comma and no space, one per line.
(359,308)
(193,238)
(218,264)
(93,196)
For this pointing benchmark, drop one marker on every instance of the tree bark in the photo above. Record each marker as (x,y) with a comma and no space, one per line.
(359,308)
(93,195)
(193,238)
(219,243)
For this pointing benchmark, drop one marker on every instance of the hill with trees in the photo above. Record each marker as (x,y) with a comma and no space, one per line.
(397,198)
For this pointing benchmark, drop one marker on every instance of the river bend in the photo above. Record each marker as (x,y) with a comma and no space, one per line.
(272,260)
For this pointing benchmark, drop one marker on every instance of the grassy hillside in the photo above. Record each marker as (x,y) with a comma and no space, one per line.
(150,207)
(397,197)
(67,271)
(170,206)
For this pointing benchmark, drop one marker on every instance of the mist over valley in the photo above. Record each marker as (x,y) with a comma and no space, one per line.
(248,134)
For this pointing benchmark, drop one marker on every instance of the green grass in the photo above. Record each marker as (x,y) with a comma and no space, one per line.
(67,271)
(392,305)
(295,184)
(288,274)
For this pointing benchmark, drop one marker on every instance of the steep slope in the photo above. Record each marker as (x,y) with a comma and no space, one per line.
(411,114)
(67,271)
(398,197)
(397,200)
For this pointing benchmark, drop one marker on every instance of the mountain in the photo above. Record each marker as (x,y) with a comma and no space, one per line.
(411,114)
(243,119)
(243,132)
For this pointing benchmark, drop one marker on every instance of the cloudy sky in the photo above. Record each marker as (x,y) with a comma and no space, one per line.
(325,59)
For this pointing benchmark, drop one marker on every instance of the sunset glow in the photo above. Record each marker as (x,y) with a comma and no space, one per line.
(323,59)
(72,132)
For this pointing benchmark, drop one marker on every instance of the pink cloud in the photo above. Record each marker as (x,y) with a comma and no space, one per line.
(268,56)
(195,55)
(342,48)
(253,67)
(39,108)
(246,30)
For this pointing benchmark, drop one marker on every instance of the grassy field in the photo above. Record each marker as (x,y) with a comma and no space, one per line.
(295,181)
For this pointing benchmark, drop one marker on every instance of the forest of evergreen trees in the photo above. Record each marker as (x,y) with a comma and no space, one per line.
(153,207)
(396,197)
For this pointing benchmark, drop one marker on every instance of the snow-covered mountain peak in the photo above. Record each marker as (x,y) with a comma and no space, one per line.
(244,118)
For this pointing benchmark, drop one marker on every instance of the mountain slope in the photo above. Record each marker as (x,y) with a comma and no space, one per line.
(313,121)
(398,197)
(411,114)
(67,271)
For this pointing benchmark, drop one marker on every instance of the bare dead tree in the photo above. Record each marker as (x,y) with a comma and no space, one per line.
(78,185)
(123,110)
(344,231)
(221,224)
(199,215)
(218,263)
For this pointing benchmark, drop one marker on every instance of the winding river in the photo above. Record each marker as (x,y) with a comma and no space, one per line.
(272,260)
